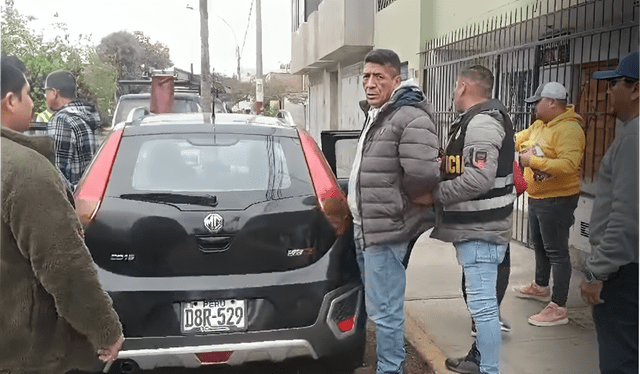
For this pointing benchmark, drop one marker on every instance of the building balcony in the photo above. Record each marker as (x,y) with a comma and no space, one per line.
(339,32)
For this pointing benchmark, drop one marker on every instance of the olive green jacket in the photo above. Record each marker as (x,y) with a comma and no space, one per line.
(54,314)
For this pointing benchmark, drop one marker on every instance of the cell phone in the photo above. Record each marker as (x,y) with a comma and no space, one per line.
(537,151)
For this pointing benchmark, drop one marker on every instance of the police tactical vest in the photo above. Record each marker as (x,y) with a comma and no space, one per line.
(497,203)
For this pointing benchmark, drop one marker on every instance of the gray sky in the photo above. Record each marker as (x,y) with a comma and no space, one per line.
(176,26)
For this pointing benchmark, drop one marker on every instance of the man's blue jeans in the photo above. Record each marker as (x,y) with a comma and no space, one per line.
(550,221)
(479,261)
(383,274)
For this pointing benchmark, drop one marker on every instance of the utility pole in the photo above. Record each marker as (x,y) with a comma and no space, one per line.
(205,70)
(259,83)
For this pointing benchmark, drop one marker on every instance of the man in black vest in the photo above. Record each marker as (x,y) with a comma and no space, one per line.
(475,203)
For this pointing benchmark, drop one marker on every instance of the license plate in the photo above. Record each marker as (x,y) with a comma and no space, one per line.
(214,316)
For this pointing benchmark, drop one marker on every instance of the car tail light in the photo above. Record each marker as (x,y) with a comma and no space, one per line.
(347,324)
(333,202)
(93,184)
(208,358)
(344,311)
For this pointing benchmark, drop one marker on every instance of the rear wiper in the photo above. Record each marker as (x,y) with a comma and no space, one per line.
(208,200)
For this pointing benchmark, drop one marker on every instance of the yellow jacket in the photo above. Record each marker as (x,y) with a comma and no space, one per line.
(562,140)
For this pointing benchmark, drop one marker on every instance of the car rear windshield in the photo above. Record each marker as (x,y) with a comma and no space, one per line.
(212,163)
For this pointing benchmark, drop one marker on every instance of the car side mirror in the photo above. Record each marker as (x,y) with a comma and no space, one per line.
(137,113)
(285,117)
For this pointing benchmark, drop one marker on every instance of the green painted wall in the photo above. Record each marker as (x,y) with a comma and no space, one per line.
(406,25)
(445,16)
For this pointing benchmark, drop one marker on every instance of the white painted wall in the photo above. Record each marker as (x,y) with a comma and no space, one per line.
(351,116)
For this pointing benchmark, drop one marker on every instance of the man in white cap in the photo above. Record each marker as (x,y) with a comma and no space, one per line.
(551,150)
(611,276)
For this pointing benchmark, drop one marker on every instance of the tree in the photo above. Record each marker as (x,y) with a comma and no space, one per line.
(133,54)
(242,90)
(42,56)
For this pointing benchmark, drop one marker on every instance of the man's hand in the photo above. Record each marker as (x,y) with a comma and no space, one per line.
(591,292)
(110,353)
(525,157)
(425,200)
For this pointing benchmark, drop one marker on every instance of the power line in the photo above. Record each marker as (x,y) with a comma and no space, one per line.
(248,23)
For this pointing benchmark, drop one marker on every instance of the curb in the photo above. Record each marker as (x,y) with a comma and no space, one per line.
(428,351)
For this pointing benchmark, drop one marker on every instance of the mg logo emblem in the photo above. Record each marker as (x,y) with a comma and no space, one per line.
(213,222)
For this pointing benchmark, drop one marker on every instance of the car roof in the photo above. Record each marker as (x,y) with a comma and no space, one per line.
(178,95)
(199,122)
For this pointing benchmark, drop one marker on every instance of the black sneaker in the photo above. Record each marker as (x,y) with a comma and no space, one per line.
(465,365)
(505,326)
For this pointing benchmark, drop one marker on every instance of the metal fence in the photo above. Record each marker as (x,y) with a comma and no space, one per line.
(551,40)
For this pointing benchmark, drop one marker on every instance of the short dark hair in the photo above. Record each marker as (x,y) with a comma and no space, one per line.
(384,57)
(479,74)
(12,79)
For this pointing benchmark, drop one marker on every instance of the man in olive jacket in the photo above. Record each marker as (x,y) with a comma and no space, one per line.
(54,315)
(395,164)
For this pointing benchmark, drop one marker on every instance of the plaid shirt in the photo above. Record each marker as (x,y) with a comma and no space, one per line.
(74,141)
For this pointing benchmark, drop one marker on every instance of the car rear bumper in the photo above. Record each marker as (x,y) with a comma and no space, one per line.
(322,339)
(275,351)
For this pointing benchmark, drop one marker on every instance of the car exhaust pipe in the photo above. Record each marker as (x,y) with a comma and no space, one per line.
(126,366)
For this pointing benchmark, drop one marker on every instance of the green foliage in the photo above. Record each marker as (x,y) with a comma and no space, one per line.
(42,56)
(133,54)
(271,110)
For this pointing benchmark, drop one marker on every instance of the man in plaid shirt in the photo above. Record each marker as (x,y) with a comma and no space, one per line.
(72,127)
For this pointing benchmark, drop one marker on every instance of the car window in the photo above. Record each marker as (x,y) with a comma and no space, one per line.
(179,106)
(345,154)
(226,163)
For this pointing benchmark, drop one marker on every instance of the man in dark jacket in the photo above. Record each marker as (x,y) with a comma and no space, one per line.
(475,204)
(54,315)
(72,127)
(396,163)
(611,276)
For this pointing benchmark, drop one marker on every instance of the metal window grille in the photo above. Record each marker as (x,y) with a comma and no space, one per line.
(551,40)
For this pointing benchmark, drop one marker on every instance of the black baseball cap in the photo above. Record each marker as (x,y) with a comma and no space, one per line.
(627,68)
(62,81)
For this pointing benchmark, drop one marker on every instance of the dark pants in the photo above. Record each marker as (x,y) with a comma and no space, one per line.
(550,220)
(617,322)
(502,282)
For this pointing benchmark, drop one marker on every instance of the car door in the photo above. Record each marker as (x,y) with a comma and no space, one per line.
(339,148)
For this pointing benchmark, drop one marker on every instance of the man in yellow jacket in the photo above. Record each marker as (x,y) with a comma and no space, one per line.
(551,150)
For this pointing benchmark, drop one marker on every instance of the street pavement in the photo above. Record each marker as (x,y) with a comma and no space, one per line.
(438,324)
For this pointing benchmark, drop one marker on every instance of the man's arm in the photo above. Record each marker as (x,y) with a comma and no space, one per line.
(484,136)
(49,234)
(570,151)
(522,137)
(418,153)
(63,144)
(620,238)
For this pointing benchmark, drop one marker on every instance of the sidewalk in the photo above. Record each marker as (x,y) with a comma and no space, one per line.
(438,324)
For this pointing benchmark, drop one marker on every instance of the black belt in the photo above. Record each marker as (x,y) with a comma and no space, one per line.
(553,199)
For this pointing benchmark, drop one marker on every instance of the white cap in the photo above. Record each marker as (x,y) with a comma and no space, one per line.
(553,90)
